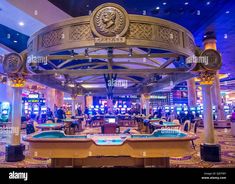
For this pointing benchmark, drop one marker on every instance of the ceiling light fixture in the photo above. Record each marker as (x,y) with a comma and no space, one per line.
(208,3)
(86,52)
(130,52)
(144,59)
(71,84)
(149,52)
(225,36)
(21,23)
(164,3)
(186,3)
(157,8)
(15,41)
(72,53)
(227,12)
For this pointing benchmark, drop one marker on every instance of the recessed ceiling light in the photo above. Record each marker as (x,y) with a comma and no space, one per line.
(35,12)
(164,3)
(227,12)
(186,3)
(157,8)
(21,23)
(225,36)
(15,41)
(208,3)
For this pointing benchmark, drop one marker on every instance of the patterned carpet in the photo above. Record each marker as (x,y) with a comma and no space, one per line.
(224,138)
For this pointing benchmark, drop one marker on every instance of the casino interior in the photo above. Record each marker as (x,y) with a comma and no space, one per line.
(117,84)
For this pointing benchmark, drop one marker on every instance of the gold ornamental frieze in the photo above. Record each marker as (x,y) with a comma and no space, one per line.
(110,25)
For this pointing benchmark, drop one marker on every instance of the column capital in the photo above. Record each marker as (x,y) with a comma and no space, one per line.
(17,81)
(74,96)
(206,78)
(146,95)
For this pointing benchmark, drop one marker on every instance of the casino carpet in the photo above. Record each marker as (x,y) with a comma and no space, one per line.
(224,138)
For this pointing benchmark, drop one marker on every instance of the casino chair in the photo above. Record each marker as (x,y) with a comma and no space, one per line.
(29,128)
(194,127)
(127,131)
(176,121)
(186,126)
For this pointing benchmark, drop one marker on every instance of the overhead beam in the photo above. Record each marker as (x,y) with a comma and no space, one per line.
(100,56)
(135,72)
(167,63)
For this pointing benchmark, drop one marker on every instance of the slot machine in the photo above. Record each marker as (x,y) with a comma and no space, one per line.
(123,110)
(96,108)
(178,110)
(193,110)
(43,110)
(4,111)
(185,109)
(172,109)
(102,109)
(167,109)
(90,110)
(36,109)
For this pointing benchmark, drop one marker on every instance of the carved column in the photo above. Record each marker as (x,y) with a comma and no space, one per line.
(192,97)
(74,97)
(209,150)
(14,67)
(144,103)
(14,148)
(206,83)
(89,101)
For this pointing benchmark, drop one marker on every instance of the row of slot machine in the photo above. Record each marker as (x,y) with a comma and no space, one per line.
(196,111)
(180,109)
(102,109)
(33,104)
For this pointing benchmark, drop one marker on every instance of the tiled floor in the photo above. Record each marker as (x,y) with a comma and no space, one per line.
(224,137)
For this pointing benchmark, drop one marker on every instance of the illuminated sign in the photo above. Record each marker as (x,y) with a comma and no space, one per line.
(158,97)
(33,95)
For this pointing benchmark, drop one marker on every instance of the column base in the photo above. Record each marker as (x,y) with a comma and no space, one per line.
(210,152)
(14,153)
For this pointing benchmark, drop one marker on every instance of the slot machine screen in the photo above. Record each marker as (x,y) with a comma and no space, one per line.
(4,112)
(112,120)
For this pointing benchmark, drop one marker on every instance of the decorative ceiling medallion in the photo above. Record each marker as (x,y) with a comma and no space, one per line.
(212,58)
(12,63)
(109,20)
